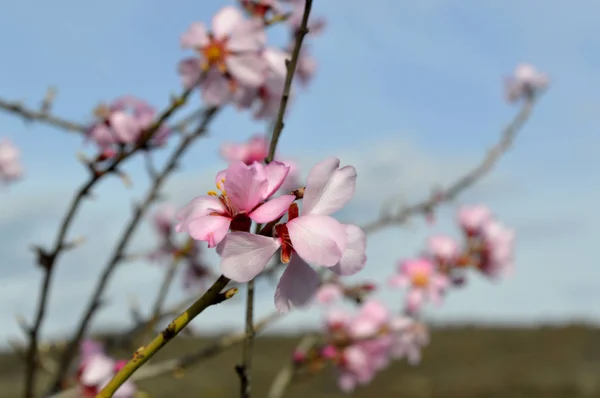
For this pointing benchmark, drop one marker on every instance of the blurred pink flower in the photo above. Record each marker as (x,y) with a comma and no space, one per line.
(444,249)
(229,55)
(410,337)
(329,293)
(96,369)
(497,257)
(244,191)
(122,122)
(255,150)
(315,26)
(163,219)
(525,83)
(10,162)
(472,218)
(423,280)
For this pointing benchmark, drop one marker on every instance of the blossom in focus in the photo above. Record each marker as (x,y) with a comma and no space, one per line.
(244,190)
(311,237)
(525,83)
(96,369)
(10,161)
(122,122)
(424,282)
(229,55)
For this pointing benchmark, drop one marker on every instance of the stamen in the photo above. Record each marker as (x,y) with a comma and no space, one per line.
(212,193)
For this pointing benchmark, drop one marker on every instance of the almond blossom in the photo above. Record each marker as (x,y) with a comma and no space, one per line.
(244,190)
(10,162)
(472,218)
(525,83)
(229,55)
(311,237)
(329,293)
(497,256)
(122,122)
(96,369)
(443,249)
(423,280)
(410,337)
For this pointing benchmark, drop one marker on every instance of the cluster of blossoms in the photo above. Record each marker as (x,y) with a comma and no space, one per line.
(488,247)
(362,344)
(233,63)
(10,162)
(307,236)
(96,369)
(122,123)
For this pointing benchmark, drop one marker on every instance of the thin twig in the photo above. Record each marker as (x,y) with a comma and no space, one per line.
(493,156)
(41,116)
(286,375)
(212,296)
(118,253)
(48,259)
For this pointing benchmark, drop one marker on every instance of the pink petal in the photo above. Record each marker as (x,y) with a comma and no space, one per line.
(347,382)
(195,36)
(226,20)
(414,300)
(124,127)
(329,292)
(190,71)
(215,88)
(297,286)
(249,36)
(320,240)
(245,255)
(221,175)
(354,258)
(245,185)
(399,280)
(249,69)
(199,207)
(210,229)
(276,60)
(96,369)
(276,174)
(328,188)
(273,209)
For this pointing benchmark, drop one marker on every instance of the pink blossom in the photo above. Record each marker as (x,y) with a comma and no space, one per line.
(95,372)
(314,237)
(292,181)
(229,55)
(410,337)
(329,293)
(260,8)
(315,26)
(10,162)
(122,122)
(444,249)
(163,219)
(497,257)
(525,83)
(255,150)
(423,281)
(472,218)
(307,66)
(244,191)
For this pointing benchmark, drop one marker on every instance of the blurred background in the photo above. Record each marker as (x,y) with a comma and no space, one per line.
(411,94)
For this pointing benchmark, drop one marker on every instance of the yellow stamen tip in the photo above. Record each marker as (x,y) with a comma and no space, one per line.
(212,193)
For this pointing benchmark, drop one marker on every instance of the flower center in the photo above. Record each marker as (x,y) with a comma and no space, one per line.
(420,279)
(214,54)
(282,232)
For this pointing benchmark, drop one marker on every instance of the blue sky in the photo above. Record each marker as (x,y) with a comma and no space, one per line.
(408,92)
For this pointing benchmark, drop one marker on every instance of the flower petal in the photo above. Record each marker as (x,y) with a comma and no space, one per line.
(247,68)
(190,71)
(215,88)
(276,175)
(245,255)
(226,20)
(248,36)
(320,240)
(210,229)
(96,369)
(195,36)
(328,188)
(354,258)
(297,286)
(199,207)
(273,209)
(245,185)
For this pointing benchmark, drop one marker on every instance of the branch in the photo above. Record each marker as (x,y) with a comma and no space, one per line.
(119,251)
(286,375)
(212,296)
(493,156)
(48,259)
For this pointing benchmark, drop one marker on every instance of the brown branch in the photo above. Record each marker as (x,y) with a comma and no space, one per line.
(48,259)
(118,253)
(493,156)
(41,115)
